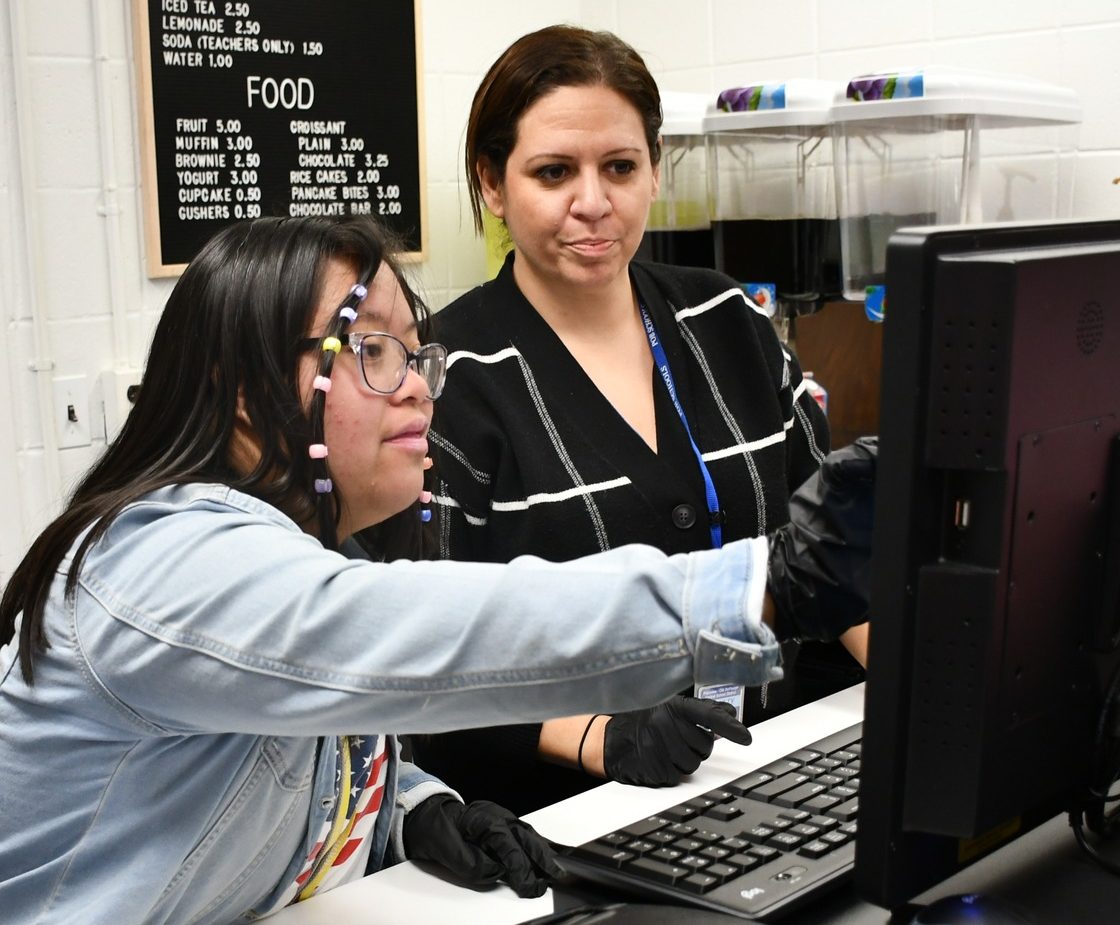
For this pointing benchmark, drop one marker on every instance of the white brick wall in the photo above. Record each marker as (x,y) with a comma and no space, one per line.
(70,222)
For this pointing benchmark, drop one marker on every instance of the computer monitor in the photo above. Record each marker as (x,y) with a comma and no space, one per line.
(994,621)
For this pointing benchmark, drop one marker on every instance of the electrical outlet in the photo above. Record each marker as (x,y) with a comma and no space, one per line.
(71,411)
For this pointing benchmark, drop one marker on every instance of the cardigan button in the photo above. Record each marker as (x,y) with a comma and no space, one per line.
(684,516)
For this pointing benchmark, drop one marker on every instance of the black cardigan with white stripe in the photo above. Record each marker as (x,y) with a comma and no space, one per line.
(532,458)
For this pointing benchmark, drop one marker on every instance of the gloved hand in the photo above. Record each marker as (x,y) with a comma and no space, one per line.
(819,574)
(658,746)
(480,843)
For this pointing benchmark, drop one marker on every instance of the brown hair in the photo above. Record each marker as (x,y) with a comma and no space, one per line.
(535,65)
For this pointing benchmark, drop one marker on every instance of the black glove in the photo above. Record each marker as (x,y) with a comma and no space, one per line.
(480,843)
(819,575)
(659,746)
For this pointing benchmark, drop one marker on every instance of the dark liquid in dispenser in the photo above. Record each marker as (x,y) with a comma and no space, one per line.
(800,256)
(680,248)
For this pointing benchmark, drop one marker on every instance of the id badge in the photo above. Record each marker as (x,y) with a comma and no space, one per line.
(728,693)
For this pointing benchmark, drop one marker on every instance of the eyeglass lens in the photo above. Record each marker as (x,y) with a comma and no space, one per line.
(385,363)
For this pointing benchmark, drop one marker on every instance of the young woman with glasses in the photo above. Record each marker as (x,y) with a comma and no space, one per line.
(197,691)
(595,400)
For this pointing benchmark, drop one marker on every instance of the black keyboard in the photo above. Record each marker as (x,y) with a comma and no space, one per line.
(756,847)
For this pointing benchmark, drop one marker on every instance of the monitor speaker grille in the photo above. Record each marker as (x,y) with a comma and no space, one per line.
(967,402)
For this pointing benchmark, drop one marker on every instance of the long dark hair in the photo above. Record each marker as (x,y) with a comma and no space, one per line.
(228,341)
(535,65)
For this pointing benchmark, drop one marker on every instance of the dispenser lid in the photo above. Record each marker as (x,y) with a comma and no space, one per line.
(1003,99)
(683,113)
(798,101)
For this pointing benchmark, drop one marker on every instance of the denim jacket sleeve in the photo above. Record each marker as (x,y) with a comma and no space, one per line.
(203,609)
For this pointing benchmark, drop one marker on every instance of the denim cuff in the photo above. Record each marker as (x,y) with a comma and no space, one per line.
(719,660)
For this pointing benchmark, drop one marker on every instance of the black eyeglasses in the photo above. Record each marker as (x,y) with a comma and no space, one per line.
(385,361)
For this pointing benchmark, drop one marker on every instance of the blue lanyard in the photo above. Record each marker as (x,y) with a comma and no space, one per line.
(715,515)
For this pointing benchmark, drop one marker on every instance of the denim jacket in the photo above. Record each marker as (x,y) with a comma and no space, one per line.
(176,752)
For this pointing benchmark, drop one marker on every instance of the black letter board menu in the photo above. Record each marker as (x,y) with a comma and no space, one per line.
(276,107)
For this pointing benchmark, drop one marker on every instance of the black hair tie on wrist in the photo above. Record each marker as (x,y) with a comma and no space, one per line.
(583,739)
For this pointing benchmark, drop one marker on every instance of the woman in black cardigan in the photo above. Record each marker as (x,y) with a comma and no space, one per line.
(595,401)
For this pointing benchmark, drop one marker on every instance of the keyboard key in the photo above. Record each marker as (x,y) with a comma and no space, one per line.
(799,815)
(781,766)
(758,834)
(821,803)
(723,871)
(663,837)
(764,852)
(748,782)
(694,861)
(798,795)
(614,838)
(846,811)
(657,870)
(836,838)
(743,862)
(698,883)
(721,796)
(688,845)
(815,849)
(731,843)
(708,838)
(665,854)
(681,829)
(784,841)
(640,846)
(603,854)
(767,792)
(724,813)
(805,755)
(806,830)
(714,853)
(647,825)
(679,813)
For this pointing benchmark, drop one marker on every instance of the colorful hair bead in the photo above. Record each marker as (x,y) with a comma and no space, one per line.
(359,290)
(348,313)
(317,451)
(322,383)
(323,486)
(332,343)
